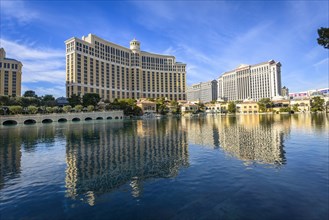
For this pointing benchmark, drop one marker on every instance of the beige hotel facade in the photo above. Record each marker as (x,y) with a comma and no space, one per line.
(10,75)
(94,65)
(255,82)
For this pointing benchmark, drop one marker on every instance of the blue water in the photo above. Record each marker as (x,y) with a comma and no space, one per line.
(213,167)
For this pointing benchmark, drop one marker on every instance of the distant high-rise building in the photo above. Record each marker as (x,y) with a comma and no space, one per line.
(308,94)
(10,75)
(202,92)
(285,91)
(94,65)
(258,81)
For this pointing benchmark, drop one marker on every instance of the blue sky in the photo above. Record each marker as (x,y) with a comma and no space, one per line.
(211,37)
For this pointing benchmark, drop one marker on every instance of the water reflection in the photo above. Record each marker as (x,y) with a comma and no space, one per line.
(13,140)
(100,159)
(10,163)
(251,138)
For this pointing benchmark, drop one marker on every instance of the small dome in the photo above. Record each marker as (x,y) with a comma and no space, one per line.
(278,98)
(248,100)
(135,45)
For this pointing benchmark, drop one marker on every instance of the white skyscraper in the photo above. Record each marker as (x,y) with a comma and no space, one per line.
(258,81)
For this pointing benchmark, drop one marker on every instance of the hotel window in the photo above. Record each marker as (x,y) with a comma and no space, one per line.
(118,77)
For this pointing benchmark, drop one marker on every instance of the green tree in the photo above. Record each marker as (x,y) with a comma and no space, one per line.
(323,38)
(90,108)
(67,108)
(48,100)
(127,105)
(175,107)
(32,109)
(285,109)
(4,100)
(201,107)
(137,111)
(78,108)
(231,107)
(56,109)
(49,109)
(317,104)
(30,93)
(14,101)
(90,99)
(295,108)
(161,106)
(15,109)
(74,100)
(264,104)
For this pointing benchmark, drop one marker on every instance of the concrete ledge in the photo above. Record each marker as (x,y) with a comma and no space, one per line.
(58,117)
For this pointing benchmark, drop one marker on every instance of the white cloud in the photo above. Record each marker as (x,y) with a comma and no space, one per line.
(39,64)
(56,91)
(27,51)
(18,10)
(324,61)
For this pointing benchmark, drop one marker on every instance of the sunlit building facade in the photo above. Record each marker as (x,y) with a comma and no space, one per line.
(94,65)
(202,92)
(10,75)
(258,81)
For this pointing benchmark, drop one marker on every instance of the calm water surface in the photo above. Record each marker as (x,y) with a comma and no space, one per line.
(244,167)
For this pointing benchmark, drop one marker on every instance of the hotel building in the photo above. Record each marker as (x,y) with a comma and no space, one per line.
(255,82)
(10,75)
(202,92)
(94,65)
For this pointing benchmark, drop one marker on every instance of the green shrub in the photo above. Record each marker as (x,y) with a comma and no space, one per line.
(15,109)
(55,109)
(78,108)
(67,108)
(32,109)
(90,108)
(49,109)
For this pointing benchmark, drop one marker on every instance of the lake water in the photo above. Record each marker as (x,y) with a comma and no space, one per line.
(214,167)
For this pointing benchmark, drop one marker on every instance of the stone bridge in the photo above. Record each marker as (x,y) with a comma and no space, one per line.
(60,117)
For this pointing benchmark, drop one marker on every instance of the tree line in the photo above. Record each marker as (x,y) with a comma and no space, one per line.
(31,103)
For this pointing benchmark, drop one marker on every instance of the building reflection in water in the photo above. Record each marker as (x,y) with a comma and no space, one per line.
(14,140)
(10,160)
(100,159)
(251,138)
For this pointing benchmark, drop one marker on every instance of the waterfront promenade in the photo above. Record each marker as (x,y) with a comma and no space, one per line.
(59,117)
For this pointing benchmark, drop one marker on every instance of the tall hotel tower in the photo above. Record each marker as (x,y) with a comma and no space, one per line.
(94,65)
(258,81)
(10,75)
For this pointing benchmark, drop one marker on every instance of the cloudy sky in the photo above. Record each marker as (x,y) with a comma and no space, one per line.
(211,37)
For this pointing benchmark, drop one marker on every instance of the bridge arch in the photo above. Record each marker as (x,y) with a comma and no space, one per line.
(116,117)
(76,119)
(62,120)
(88,119)
(9,122)
(29,122)
(99,118)
(109,118)
(47,120)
